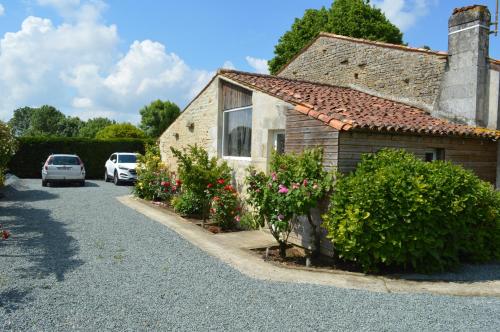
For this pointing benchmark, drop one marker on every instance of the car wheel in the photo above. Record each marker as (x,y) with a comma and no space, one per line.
(44,183)
(116,180)
(106,177)
(82,183)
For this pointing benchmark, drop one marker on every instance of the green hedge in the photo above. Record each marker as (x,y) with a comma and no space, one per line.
(33,151)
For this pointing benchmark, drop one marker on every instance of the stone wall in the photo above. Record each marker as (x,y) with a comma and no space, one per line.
(411,75)
(202,113)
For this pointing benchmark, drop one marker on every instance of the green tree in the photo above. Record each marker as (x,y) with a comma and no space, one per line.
(69,126)
(157,116)
(8,146)
(90,128)
(45,121)
(353,18)
(120,130)
(21,120)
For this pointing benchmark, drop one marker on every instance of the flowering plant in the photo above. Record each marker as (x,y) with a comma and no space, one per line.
(155,182)
(8,146)
(296,185)
(225,205)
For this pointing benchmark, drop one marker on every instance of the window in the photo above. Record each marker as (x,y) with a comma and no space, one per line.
(279,142)
(127,158)
(434,154)
(237,132)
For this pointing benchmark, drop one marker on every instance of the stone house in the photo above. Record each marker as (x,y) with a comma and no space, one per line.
(353,96)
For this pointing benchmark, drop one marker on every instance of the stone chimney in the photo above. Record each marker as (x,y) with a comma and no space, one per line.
(464,91)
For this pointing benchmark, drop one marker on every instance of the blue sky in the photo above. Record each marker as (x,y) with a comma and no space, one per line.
(92,58)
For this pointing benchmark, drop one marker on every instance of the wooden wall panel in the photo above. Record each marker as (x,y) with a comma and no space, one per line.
(474,154)
(304,132)
(234,96)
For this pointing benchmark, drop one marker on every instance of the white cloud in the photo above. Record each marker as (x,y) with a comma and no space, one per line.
(259,65)
(405,13)
(2,10)
(77,67)
(228,65)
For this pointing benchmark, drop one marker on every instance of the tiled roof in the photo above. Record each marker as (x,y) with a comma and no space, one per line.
(347,109)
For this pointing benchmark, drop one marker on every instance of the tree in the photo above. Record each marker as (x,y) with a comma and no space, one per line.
(45,121)
(69,126)
(353,18)
(8,145)
(90,128)
(120,130)
(156,117)
(21,120)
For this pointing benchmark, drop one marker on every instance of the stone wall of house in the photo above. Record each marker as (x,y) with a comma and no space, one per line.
(409,76)
(197,124)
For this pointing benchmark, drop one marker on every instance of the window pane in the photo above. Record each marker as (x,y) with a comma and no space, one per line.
(280,143)
(238,133)
(65,161)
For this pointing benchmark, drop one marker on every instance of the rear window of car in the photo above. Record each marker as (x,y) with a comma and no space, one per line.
(127,158)
(64,160)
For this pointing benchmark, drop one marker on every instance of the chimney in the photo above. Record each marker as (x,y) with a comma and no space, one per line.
(464,93)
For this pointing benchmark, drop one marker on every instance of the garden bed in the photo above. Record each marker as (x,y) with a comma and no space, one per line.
(197,220)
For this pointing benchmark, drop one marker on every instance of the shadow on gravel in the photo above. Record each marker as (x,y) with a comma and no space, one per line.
(43,241)
(11,300)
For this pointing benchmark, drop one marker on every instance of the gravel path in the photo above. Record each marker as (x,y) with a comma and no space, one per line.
(78,259)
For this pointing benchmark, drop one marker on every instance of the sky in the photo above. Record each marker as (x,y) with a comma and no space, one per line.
(109,58)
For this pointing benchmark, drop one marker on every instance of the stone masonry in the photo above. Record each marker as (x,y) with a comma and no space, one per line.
(412,76)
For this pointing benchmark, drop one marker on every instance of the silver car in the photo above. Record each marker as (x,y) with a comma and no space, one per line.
(63,168)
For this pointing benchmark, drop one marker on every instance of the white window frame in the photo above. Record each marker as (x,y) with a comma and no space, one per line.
(224,134)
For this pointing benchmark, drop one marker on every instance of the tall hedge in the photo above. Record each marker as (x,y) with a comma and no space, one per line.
(33,151)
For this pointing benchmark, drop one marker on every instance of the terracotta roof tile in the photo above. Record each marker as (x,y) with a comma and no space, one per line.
(345,108)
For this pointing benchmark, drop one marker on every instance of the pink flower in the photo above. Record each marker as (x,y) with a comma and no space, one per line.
(273,175)
(237,218)
(315,186)
(304,182)
(281,217)
(295,186)
(282,189)
(209,185)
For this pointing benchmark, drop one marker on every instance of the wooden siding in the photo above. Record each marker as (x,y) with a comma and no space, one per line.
(304,132)
(480,156)
(234,96)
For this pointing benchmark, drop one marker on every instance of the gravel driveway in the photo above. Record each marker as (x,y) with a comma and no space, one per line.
(78,259)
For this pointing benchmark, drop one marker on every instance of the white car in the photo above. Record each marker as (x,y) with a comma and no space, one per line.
(120,167)
(63,168)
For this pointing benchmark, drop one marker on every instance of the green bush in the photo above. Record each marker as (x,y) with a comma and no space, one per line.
(196,171)
(33,151)
(397,210)
(188,204)
(154,182)
(120,130)
(8,146)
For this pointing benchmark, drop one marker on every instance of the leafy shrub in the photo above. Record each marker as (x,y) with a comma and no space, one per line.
(197,170)
(225,205)
(188,204)
(120,130)
(296,184)
(396,210)
(154,182)
(248,221)
(33,151)
(8,146)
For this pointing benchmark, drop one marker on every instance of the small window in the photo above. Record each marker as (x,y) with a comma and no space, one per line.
(237,132)
(279,142)
(434,154)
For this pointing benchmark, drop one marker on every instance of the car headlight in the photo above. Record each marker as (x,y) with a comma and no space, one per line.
(124,168)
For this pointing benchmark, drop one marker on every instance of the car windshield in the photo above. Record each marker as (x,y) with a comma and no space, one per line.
(64,160)
(127,158)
